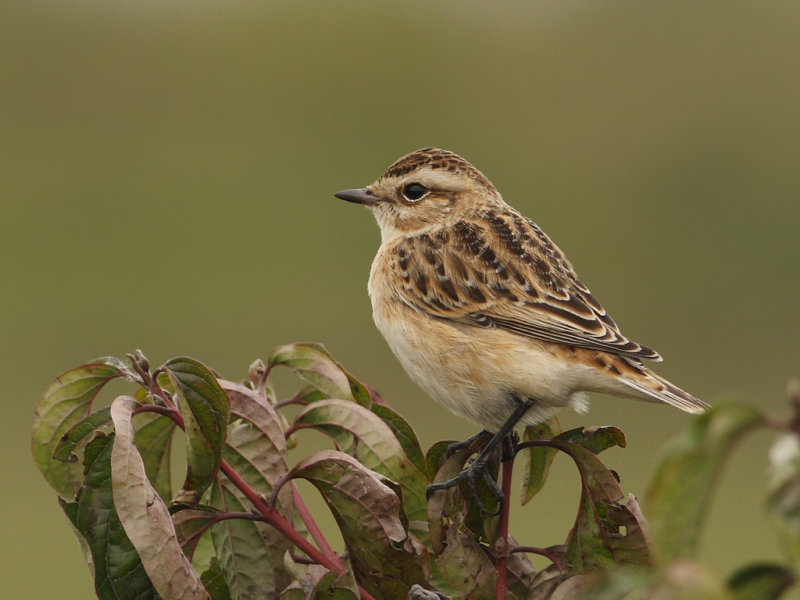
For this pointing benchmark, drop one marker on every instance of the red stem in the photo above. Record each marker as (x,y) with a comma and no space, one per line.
(314,529)
(290,431)
(274,518)
(271,515)
(502,560)
(172,413)
(277,520)
(548,553)
(217,519)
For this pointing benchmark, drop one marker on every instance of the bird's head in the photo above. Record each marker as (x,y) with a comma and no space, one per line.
(424,189)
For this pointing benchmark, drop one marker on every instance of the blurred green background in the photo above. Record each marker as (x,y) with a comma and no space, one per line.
(167,171)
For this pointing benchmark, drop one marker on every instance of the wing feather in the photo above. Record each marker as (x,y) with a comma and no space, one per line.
(499,269)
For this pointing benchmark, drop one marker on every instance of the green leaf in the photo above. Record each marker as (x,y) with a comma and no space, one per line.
(203,551)
(369,516)
(609,529)
(205,409)
(576,586)
(244,555)
(435,458)
(79,433)
(154,434)
(308,394)
(293,592)
(190,526)
(444,506)
(145,516)
(252,553)
(520,573)
(537,459)
(335,586)
(417,592)
(456,504)
(594,439)
(681,580)
(761,582)
(463,569)
(118,570)
(617,584)
(314,364)
(304,578)
(317,582)
(365,436)
(64,403)
(680,492)
(783,500)
(404,433)
(214,581)
(540,458)
(484,525)
(256,445)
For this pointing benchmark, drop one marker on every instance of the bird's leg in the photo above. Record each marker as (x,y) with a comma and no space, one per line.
(510,446)
(478,467)
(459,446)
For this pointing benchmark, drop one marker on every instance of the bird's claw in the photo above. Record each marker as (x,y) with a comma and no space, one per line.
(470,475)
(457,447)
(509,445)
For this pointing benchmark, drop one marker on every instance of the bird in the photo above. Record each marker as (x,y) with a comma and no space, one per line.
(483,310)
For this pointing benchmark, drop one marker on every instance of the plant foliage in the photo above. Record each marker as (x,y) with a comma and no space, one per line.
(238,528)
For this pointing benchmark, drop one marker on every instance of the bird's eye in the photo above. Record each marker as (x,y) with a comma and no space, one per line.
(414,191)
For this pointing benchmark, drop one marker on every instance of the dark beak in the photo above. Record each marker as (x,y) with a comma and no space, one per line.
(359,196)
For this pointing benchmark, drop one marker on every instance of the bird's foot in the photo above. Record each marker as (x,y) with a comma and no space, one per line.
(478,469)
(509,445)
(456,447)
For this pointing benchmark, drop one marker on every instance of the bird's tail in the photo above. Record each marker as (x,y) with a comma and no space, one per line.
(657,389)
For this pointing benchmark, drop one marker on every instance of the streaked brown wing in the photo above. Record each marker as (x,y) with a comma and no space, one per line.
(500,270)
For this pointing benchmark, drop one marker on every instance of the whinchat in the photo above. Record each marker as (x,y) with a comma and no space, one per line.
(483,310)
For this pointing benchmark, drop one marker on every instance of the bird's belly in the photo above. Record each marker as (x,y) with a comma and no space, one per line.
(477,373)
